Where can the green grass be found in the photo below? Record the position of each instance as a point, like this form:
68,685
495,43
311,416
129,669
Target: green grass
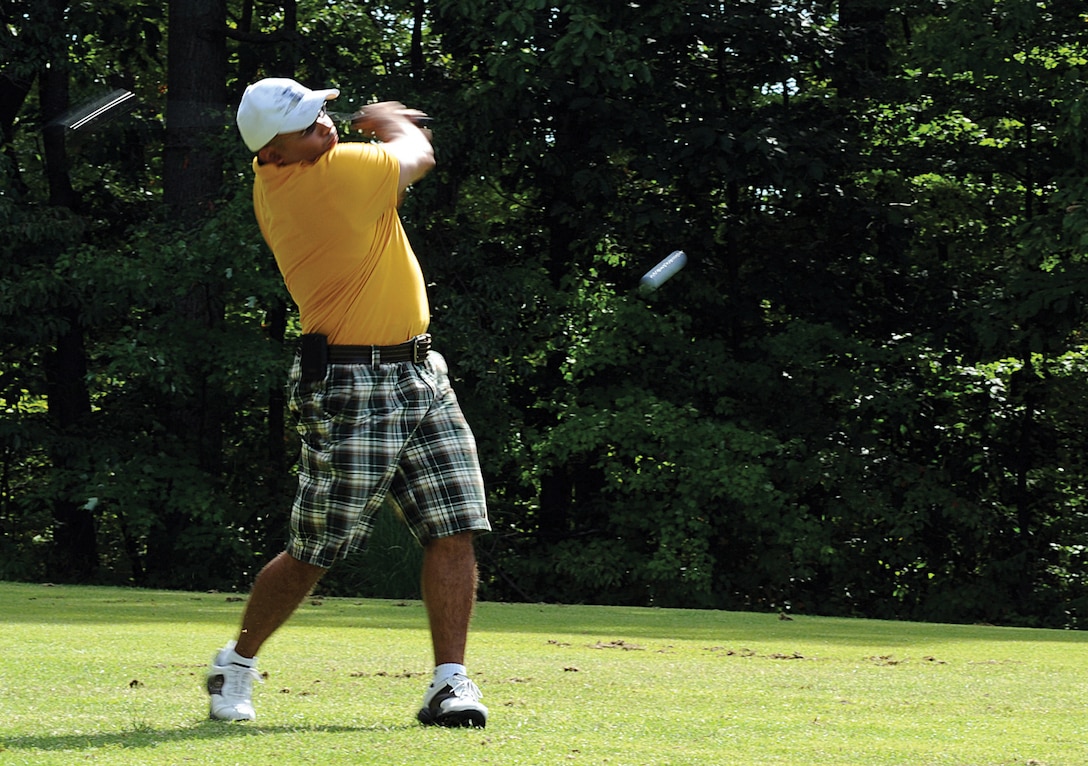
114,676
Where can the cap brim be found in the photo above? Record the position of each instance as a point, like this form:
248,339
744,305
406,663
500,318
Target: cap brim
304,115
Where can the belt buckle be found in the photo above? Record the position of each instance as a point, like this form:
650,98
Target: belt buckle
421,344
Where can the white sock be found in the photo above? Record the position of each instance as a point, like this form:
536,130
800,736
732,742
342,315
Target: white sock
231,656
444,671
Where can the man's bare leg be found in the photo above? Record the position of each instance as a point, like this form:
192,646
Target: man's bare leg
449,593
278,590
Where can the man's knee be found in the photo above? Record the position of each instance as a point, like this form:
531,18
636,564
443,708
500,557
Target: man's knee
462,542
300,572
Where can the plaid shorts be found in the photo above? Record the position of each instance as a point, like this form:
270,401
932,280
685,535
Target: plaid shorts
375,434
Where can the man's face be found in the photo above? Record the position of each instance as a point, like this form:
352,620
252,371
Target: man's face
303,145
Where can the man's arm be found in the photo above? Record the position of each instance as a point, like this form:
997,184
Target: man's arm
395,126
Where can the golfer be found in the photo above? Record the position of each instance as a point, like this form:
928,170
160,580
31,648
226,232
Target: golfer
378,420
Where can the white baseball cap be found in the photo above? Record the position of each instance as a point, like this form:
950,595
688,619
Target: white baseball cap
278,105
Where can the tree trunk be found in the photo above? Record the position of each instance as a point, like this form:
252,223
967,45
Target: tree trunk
13,94
862,57
195,104
193,175
192,179
65,367
415,55
74,531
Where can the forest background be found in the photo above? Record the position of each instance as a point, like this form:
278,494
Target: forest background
864,395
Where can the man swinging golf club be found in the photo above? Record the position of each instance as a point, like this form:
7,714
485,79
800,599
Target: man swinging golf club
377,418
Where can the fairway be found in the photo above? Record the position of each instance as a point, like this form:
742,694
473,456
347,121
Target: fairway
114,676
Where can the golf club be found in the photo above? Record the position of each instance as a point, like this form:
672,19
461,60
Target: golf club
96,111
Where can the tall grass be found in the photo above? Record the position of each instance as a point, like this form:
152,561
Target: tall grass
113,676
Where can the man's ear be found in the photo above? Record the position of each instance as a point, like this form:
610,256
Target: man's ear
269,155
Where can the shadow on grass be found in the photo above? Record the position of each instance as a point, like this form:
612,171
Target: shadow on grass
151,737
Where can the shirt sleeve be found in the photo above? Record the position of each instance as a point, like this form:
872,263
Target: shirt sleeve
364,178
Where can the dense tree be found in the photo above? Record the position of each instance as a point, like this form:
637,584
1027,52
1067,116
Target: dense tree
862,396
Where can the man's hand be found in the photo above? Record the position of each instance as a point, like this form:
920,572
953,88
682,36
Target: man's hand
386,119
397,126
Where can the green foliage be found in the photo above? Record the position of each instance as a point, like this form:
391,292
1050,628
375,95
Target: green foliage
860,397
388,568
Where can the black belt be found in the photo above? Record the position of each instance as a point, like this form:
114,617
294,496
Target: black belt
414,350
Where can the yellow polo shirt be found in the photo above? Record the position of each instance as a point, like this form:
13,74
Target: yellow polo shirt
334,229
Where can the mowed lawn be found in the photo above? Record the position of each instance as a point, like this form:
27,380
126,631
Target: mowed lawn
114,676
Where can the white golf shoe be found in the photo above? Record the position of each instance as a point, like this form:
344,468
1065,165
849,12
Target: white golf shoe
455,703
230,687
